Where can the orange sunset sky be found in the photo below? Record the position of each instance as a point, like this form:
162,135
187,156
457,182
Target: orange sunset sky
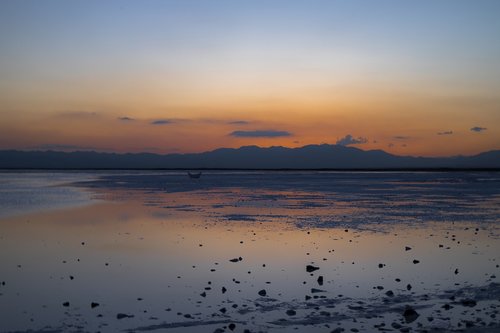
411,78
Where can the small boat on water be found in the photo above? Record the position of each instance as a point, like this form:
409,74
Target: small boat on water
194,175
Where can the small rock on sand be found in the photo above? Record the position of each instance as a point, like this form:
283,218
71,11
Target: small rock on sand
410,314
311,268
320,280
315,291
262,292
123,315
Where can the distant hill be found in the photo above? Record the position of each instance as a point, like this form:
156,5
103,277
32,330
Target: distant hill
249,157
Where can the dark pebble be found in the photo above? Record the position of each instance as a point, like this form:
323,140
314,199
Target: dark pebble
123,315
262,292
315,291
94,305
410,314
311,268
320,280
291,312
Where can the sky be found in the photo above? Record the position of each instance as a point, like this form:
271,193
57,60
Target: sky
415,78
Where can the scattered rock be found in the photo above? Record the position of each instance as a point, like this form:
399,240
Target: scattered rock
407,248
262,292
415,261
224,290
123,315
311,268
94,305
315,291
410,314
320,280
66,304
291,312
231,326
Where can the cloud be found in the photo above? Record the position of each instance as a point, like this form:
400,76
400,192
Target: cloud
401,137
126,119
260,134
239,122
445,133
350,140
161,122
478,129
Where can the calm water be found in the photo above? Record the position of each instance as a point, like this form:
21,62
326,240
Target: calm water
165,251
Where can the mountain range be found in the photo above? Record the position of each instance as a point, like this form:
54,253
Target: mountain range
322,156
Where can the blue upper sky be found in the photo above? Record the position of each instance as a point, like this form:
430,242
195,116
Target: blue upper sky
237,60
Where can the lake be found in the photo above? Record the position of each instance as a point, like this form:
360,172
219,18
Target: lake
266,251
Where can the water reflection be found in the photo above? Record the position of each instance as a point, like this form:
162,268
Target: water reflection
164,258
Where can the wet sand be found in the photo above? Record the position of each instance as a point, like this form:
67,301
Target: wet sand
258,253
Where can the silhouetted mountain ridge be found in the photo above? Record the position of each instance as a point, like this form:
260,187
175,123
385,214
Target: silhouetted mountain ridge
322,156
